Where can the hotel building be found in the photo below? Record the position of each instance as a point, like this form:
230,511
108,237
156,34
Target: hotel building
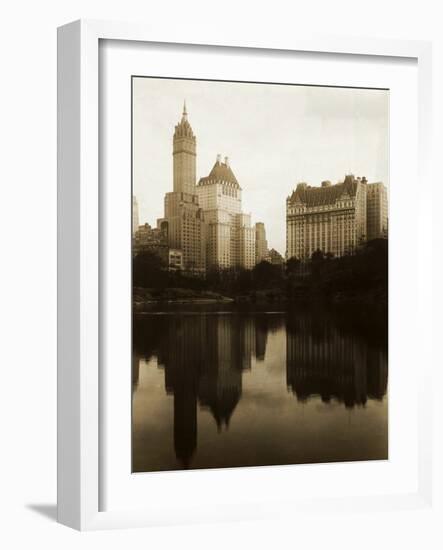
230,239
331,218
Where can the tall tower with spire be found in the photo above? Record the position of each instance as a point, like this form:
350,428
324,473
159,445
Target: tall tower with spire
184,154
184,221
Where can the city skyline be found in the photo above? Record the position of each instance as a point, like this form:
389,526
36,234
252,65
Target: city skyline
303,119
259,275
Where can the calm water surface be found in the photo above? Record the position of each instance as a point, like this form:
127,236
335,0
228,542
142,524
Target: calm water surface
231,388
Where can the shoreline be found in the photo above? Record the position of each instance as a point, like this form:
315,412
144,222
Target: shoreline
198,301
367,301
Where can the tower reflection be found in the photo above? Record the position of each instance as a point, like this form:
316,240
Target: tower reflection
203,357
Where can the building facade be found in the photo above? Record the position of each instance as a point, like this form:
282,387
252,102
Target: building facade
230,239
183,222
261,244
331,218
175,259
147,236
246,241
149,239
377,211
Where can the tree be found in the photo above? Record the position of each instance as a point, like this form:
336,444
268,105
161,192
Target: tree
266,275
244,280
148,270
292,265
214,278
317,256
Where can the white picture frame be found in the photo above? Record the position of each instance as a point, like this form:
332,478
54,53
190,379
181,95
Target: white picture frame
79,252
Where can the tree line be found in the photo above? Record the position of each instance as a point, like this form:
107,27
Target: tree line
365,270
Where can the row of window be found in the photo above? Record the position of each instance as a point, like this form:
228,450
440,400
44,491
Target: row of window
321,208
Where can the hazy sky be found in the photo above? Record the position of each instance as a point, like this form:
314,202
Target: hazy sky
274,136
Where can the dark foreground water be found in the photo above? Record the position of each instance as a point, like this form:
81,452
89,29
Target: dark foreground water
223,389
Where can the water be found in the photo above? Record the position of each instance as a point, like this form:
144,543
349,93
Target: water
239,388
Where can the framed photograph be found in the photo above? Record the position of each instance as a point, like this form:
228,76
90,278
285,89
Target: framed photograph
239,228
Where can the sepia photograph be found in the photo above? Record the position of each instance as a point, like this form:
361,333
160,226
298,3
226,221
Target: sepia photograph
259,274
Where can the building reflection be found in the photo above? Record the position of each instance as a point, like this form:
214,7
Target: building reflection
203,357
135,369
183,362
334,362
261,336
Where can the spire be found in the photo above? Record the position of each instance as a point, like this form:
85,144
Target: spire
183,128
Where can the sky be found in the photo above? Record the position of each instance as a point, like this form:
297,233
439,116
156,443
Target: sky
274,135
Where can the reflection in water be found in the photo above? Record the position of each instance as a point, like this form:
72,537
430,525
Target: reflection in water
325,360
289,360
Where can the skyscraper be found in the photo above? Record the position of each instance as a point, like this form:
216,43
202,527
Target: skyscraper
261,244
230,237
246,241
205,221
377,211
184,220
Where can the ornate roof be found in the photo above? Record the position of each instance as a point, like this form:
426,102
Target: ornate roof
326,194
221,173
183,128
